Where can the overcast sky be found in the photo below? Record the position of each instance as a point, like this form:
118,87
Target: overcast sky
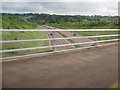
69,7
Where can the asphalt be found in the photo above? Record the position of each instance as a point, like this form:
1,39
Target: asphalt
78,40
89,68
56,35
59,42
68,34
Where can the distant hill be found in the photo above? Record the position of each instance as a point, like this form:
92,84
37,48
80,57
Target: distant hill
76,22
12,22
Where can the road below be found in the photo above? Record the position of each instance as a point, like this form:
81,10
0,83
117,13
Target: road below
89,68
78,40
53,35
56,35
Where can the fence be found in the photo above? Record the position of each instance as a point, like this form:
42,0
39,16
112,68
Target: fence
111,41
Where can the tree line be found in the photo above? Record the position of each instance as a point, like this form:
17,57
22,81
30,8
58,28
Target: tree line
62,21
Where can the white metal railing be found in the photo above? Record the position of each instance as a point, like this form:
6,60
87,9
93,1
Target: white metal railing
33,40
50,39
24,49
37,54
16,30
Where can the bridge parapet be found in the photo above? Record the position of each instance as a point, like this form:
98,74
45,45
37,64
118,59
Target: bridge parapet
76,40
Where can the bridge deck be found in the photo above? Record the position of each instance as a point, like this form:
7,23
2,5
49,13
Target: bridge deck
89,68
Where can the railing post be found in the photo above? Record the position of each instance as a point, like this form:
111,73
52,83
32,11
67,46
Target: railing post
53,36
96,39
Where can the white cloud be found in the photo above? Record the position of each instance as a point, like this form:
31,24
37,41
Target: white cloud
76,8
61,0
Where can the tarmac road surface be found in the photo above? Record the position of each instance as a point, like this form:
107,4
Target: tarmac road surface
89,68
56,35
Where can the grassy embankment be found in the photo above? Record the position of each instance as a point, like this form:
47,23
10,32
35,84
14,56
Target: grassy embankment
80,22
89,25
17,23
87,33
82,25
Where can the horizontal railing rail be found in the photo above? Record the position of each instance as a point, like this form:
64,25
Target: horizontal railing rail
23,49
92,43
47,53
28,30
33,40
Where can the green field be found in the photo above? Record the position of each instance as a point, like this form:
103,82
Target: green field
79,25
17,23
24,36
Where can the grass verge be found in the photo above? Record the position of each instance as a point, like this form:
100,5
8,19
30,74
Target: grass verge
24,36
70,40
